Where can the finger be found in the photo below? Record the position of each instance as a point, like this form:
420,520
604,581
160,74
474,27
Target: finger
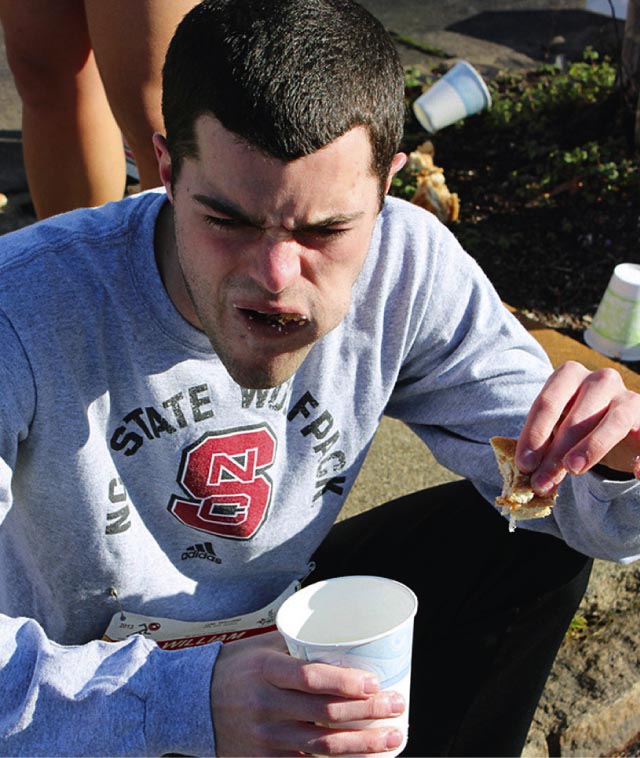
612,441
321,740
576,445
547,411
319,678
290,704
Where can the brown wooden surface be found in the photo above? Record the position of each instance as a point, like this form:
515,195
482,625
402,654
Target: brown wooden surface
560,348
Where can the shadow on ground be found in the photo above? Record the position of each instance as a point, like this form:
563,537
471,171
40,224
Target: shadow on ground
543,34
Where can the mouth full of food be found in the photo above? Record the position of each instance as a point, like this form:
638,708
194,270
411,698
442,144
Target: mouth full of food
282,323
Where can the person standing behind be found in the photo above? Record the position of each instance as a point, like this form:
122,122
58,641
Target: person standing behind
88,72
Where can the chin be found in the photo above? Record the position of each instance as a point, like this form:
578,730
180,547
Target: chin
260,368
259,380
264,377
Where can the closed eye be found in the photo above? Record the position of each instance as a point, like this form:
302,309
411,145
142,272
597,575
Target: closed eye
327,232
303,235
234,228
223,223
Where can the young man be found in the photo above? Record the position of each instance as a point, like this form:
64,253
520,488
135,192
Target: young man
190,381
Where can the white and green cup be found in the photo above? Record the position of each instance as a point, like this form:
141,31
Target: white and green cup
461,92
363,622
615,329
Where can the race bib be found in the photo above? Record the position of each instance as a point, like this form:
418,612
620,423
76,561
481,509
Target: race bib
172,635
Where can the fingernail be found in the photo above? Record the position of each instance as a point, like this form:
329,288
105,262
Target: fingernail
529,460
576,463
396,702
370,685
394,739
542,485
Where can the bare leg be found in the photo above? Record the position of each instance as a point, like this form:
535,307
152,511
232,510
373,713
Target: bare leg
130,40
72,145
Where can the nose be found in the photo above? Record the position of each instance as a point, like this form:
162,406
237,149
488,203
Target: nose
277,263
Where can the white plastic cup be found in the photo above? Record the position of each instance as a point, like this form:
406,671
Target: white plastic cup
461,92
615,329
363,622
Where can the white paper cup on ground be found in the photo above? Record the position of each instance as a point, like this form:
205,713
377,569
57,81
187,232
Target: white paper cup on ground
615,329
363,622
461,92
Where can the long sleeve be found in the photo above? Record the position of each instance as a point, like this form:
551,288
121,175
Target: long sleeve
471,371
101,698
98,698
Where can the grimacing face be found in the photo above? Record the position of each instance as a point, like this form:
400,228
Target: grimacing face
260,254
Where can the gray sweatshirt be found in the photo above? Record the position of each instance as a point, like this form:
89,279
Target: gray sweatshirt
136,474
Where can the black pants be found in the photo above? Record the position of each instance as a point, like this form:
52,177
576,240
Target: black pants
493,609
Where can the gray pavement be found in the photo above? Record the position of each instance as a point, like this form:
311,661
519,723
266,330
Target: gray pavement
492,35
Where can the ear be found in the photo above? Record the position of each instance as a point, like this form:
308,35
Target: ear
399,160
164,163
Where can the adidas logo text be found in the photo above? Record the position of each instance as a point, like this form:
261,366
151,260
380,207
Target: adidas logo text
204,551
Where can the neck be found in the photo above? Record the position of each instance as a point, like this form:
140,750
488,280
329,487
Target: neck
166,254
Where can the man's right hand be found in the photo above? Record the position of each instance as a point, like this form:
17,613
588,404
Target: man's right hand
266,703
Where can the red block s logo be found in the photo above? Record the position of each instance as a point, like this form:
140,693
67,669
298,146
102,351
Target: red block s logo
228,493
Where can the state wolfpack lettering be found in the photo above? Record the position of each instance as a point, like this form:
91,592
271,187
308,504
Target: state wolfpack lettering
223,476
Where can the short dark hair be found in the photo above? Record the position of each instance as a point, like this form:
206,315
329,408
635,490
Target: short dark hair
286,76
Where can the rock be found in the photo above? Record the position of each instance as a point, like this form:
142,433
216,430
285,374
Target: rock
605,729
591,703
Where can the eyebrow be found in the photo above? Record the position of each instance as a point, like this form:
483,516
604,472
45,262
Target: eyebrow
230,209
226,208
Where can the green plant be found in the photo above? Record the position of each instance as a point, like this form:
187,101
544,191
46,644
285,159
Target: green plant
577,627
544,118
531,100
